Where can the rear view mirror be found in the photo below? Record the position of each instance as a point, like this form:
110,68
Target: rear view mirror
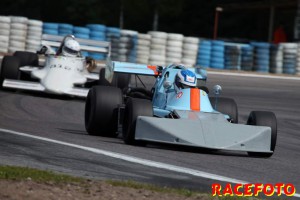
167,84
217,90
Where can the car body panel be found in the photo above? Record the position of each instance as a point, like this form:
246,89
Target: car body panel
186,116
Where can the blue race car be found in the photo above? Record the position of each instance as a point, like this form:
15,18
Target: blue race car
176,111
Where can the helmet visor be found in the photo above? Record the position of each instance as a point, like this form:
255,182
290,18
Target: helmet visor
69,51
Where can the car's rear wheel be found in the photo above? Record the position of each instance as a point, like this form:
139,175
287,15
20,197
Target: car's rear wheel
27,58
133,109
226,106
119,80
101,110
9,69
264,118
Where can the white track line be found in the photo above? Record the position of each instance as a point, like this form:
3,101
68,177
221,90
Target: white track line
297,78
137,160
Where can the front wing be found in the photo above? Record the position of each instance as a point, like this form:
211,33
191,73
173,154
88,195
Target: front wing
34,86
205,133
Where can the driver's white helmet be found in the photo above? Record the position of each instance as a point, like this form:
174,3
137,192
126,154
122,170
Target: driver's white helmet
71,48
185,79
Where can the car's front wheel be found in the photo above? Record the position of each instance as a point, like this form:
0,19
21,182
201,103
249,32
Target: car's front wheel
264,118
226,106
134,108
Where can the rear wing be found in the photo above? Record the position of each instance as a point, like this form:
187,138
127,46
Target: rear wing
142,69
85,44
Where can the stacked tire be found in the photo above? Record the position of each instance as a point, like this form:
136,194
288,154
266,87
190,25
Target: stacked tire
298,61
261,56
143,48
217,54
232,57
18,34
276,58
174,48
50,28
113,36
158,48
84,33
204,53
190,50
247,58
65,29
289,58
97,32
34,35
4,33
127,46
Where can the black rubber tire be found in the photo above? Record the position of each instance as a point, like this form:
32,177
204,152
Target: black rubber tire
102,81
101,110
27,58
9,69
119,80
133,109
264,118
226,106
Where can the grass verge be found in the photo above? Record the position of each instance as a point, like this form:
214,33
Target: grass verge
24,173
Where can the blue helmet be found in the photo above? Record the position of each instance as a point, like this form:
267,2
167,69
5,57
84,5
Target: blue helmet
185,79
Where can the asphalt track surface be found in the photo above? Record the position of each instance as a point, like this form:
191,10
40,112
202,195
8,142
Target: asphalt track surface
62,120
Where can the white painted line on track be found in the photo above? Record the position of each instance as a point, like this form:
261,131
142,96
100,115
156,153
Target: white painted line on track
254,75
136,160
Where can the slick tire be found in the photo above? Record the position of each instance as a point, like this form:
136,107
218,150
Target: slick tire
134,108
27,58
9,69
264,118
226,106
121,80
101,110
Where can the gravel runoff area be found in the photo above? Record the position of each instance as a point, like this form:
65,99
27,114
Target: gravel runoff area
31,190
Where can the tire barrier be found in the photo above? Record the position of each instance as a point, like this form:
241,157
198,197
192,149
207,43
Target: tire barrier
4,33
204,53
298,61
174,48
290,51
190,51
65,29
276,59
158,48
143,48
155,47
247,57
18,34
97,32
127,46
113,36
261,56
84,33
34,35
217,54
50,28
232,56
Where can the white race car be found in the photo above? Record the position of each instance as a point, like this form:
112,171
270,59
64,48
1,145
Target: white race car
59,74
